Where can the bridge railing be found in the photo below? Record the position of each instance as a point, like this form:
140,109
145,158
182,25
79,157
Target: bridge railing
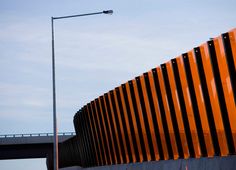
36,135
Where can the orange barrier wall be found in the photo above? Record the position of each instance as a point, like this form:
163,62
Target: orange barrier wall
184,108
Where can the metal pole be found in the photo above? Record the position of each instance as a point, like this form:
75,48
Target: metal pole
55,139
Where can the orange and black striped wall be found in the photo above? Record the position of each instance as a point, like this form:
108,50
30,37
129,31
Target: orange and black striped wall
183,108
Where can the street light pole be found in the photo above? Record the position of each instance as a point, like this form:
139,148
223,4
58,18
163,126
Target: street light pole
55,139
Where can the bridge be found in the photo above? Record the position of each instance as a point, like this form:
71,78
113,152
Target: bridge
35,145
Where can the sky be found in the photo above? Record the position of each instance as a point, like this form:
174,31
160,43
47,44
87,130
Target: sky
94,54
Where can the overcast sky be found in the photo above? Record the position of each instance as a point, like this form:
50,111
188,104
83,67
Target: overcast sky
93,54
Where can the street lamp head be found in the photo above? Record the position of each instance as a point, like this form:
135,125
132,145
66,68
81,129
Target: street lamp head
108,12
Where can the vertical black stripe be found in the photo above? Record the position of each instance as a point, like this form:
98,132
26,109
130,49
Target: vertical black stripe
94,133
107,129
194,105
103,132
219,88
124,125
100,136
86,156
183,108
145,118
172,111
112,128
88,138
207,101
154,118
91,139
163,114
138,121
81,140
77,152
73,146
78,137
118,126
76,124
130,123
230,61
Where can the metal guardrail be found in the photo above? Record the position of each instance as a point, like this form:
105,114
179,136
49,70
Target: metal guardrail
35,135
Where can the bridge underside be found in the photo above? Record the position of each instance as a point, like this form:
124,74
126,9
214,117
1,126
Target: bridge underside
25,151
29,146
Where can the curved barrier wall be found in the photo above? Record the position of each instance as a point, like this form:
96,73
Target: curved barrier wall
181,109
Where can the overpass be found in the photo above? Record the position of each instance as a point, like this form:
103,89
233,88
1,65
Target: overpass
181,112
35,145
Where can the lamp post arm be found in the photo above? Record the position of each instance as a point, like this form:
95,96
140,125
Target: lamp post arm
80,15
